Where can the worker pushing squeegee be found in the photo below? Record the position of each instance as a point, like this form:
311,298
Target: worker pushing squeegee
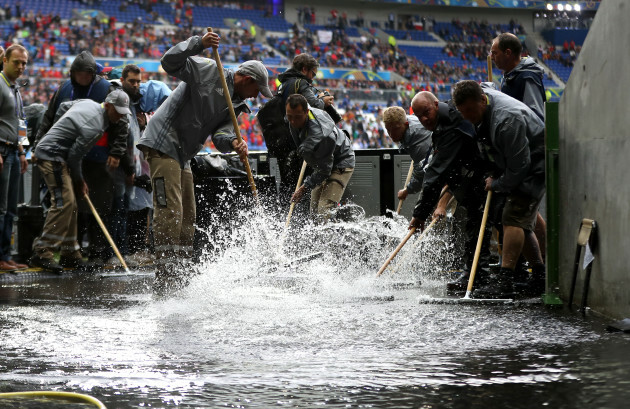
205,103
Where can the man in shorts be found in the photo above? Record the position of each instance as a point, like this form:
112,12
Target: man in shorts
511,137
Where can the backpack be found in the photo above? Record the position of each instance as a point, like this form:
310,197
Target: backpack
271,113
271,120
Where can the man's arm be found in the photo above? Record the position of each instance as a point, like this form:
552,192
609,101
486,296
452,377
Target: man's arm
444,157
177,61
417,178
512,143
308,92
533,98
118,138
321,159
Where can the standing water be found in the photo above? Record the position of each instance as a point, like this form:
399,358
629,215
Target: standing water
263,325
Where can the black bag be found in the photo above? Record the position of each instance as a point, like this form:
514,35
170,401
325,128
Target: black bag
271,114
275,131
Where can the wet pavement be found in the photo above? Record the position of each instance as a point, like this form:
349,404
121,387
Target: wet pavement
321,333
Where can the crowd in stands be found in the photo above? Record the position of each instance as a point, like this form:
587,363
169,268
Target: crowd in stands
48,39
566,56
480,32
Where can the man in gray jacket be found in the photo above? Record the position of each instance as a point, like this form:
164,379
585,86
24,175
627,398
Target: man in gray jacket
326,149
60,153
195,110
522,77
414,139
523,80
511,137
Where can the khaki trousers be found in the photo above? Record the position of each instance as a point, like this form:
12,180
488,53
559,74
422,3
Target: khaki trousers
174,208
327,195
60,227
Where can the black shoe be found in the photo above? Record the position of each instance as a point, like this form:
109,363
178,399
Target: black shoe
76,263
47,264
460,284
501,285
534,285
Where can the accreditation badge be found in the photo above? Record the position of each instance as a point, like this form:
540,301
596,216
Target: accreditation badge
22,135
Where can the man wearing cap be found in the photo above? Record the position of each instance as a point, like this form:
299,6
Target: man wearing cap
60,153
195,110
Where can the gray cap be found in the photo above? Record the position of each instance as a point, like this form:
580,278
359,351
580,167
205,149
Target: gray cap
120,100
258,72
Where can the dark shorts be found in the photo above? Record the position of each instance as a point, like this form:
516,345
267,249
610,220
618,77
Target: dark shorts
520,211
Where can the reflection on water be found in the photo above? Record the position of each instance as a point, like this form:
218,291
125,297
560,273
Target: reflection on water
254,330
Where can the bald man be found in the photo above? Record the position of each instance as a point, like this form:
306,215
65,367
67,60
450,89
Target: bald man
456,163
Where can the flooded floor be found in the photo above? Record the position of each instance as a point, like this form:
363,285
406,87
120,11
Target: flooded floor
253,330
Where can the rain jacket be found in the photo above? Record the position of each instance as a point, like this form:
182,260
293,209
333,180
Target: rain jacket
153,94
73,135
323,146
305,88
453,149
115,144
511,136
416,141
525,83
196,109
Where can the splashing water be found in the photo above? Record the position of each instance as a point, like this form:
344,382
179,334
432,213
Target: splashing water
262,324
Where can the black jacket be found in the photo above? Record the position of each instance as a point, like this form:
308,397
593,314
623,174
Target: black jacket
305,87
454,149
97,91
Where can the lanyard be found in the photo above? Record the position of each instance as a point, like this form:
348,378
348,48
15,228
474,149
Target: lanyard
86,96
19,105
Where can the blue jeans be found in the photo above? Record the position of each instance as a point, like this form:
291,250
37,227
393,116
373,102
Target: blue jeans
9,187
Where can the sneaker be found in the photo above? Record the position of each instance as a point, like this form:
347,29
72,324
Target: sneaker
47,264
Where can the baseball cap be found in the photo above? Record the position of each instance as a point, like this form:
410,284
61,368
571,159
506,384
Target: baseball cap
258,72
120,100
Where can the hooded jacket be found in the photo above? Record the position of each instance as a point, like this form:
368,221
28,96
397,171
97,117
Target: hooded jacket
416,142
525,83
305,88
453,149
511,136
116,143
323,146
196,109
